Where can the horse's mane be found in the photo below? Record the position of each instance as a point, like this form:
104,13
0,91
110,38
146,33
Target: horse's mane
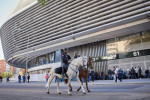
77,60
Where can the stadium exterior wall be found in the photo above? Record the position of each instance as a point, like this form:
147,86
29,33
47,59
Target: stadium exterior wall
86,27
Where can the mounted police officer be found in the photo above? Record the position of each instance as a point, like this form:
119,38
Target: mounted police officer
76,55
65,61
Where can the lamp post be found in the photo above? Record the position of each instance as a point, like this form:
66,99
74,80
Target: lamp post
19,29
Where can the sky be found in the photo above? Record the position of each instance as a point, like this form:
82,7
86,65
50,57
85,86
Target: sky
6,7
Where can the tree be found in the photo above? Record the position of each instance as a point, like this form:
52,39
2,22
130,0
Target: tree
43,2
7,74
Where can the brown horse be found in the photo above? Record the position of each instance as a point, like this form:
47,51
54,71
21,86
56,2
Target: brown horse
84,74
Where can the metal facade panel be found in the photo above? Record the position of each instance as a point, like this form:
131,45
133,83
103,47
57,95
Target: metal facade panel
60,21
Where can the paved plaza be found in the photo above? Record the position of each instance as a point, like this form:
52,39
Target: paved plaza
135,89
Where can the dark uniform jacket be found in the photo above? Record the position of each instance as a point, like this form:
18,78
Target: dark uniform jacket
65,58
76,56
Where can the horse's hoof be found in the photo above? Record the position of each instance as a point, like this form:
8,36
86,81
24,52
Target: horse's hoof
47,92
70,89
69,93
89,91
84,92
58,92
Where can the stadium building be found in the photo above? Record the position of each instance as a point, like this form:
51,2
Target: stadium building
113,32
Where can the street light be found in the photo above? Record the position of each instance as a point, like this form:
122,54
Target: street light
19,29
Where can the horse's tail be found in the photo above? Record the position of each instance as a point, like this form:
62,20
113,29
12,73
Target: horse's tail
66,81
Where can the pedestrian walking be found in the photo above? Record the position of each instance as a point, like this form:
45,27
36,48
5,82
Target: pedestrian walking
7,79
46,77
19,78
116,73
1,79
28,77
24,78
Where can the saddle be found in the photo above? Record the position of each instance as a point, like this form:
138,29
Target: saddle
59,70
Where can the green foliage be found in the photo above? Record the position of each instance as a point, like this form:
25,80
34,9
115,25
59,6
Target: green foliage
43,2
6,74
97,59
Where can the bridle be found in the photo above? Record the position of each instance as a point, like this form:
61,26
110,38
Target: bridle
76,71
88,65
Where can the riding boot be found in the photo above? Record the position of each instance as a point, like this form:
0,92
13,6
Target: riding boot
66,75
63,72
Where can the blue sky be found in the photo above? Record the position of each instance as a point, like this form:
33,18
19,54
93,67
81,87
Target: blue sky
6,7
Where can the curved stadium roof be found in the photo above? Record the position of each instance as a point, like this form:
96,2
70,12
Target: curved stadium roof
68,23
21,4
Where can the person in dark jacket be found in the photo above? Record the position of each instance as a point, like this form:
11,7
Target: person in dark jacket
132,73
102,75
89,77
92,75
95,75
139,72
99,76
146,73
110,74
120,72
28,77
7,79
129,75
65,61
24,78
76,55
19,78
1,78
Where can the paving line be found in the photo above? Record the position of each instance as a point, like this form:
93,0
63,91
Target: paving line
21,90
118,84
77,84
96,93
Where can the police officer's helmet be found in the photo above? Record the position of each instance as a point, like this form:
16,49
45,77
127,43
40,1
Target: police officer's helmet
66,49
76,53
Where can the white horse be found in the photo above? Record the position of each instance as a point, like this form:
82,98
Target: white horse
72,72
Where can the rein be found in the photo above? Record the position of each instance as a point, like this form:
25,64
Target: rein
76,71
